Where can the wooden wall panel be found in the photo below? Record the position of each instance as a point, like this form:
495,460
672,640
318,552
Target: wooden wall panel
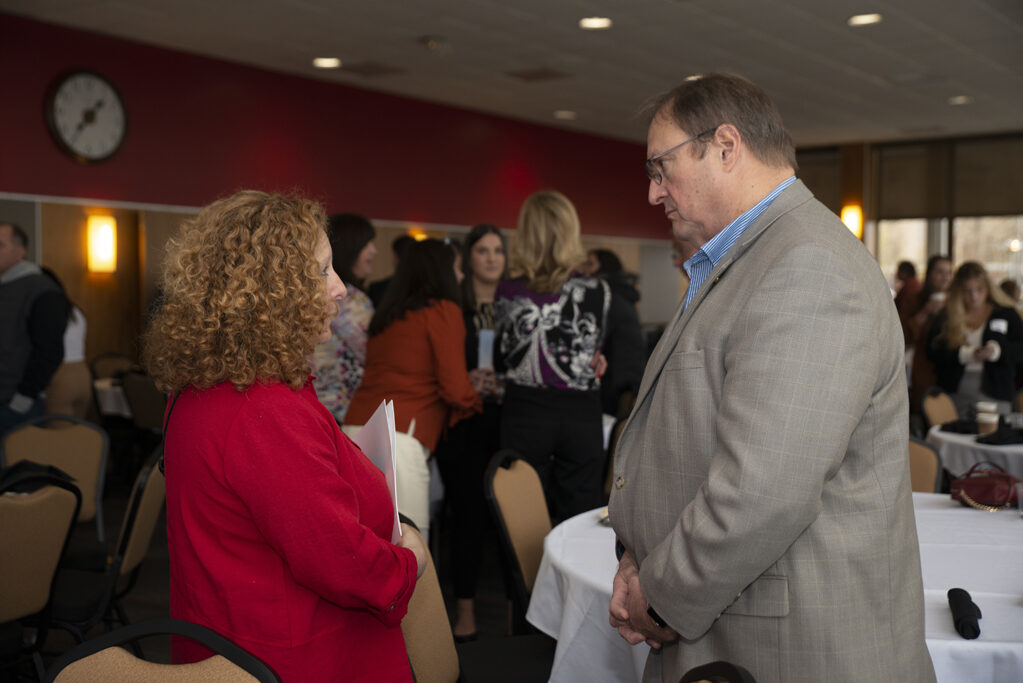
110,301
989,176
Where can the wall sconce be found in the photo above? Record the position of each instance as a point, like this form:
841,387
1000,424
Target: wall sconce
102,239
418,234
852,216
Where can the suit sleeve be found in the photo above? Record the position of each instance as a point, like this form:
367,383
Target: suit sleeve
800,369
282,462
446,332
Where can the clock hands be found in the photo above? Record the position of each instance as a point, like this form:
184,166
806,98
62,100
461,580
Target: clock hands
88,117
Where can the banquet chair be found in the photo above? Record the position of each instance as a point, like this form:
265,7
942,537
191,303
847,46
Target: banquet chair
718,672
924,466
937,407
101,659
78,447
110,364
82,598
147,403
516,498
37,516
435,658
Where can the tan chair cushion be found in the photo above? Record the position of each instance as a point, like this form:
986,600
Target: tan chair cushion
33,527
428,639
519,495
116,665
923,468
145,523
74,448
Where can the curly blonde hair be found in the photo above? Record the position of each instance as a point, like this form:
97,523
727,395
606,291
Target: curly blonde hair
546,247
243,295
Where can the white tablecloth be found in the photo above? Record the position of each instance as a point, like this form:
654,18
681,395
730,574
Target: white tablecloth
111,397
960,452
959,547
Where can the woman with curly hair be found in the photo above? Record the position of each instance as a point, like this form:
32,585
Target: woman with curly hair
278,527
976,341
551,322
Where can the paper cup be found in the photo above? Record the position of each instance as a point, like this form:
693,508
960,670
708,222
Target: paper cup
986,407
987,423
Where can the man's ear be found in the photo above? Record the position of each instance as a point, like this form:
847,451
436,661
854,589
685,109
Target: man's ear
729,143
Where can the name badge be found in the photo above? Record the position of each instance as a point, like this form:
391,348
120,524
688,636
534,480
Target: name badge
999,325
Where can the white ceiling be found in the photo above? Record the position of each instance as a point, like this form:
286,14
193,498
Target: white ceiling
834,84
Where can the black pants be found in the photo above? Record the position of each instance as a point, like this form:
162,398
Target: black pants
559,433
462,458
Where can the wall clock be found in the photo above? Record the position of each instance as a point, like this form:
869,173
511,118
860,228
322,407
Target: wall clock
86,116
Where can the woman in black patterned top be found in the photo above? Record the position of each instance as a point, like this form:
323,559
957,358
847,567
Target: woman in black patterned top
551,327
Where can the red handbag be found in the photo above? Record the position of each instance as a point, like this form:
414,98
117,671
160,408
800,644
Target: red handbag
986,486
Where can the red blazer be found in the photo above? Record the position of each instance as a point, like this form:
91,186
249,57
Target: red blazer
419,363
279,531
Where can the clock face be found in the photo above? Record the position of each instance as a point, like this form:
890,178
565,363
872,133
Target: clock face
86,116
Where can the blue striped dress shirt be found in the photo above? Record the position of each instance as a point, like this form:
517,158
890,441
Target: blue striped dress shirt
700,264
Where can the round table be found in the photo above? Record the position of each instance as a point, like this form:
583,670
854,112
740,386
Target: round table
959,547
960,452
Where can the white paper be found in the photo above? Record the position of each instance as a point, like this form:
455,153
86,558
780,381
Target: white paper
485,358
376,439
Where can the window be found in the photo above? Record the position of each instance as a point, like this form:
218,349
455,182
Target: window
994,241
902,240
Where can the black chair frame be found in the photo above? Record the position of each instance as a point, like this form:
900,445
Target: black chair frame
200,634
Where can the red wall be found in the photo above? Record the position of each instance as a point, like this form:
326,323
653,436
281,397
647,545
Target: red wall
199,128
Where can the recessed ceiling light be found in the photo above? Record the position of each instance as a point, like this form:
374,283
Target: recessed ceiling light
327,63
864,19
594,23
960,99
564,114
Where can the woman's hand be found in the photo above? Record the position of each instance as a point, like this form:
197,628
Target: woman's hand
411,539
484,381
599,364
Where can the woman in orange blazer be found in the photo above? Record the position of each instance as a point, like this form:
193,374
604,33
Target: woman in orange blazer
415,357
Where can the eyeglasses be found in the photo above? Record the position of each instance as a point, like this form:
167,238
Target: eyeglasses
654,166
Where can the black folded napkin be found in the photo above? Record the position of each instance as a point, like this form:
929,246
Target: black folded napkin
960,427
1002,437
965,613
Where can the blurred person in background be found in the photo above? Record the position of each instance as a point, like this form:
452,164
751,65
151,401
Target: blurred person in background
466,450
624,345
551,322
70,389
416,357
33,315
916,322
279,528
339,362
976,342
377,289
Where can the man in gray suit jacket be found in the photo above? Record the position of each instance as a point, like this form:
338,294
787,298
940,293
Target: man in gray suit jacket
761,489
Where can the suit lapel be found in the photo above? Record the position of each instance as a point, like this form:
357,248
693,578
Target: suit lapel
793,196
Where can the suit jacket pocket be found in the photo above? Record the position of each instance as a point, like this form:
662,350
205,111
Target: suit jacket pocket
768,596
685,360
